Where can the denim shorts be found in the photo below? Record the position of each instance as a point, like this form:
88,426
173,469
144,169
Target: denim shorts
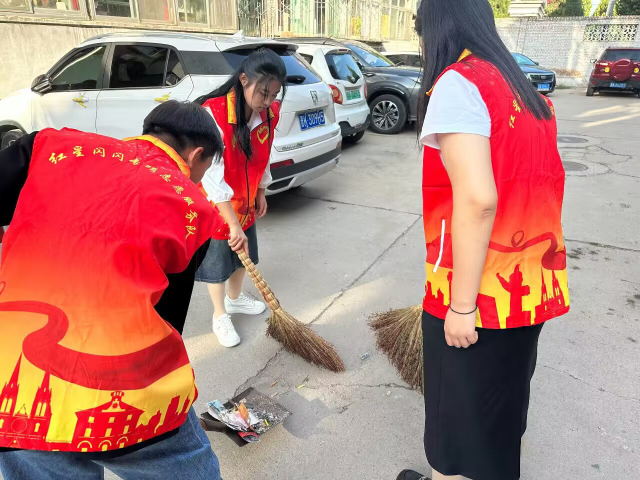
220,261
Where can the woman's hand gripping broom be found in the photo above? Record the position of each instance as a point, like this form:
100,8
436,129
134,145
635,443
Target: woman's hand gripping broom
295,336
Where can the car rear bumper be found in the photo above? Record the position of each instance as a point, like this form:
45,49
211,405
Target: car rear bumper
631,85
348,130
310,163
352,117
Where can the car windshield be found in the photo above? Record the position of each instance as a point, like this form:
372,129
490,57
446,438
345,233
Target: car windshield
522,60
615,55
225,63
371,57
343,67
299,72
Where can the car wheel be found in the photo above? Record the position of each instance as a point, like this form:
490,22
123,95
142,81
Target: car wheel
9,137
388,114
590,91
353,139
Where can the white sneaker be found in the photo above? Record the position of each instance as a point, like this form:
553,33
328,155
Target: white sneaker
244,304
225,331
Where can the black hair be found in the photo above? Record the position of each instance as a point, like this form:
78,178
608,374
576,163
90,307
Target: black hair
449,27
183,125
263,66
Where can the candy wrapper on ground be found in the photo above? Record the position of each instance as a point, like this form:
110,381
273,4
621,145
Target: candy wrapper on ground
245,418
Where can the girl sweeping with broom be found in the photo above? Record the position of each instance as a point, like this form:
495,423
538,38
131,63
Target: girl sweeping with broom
493,185
246,115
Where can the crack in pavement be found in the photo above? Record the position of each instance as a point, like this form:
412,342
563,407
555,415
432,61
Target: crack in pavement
339,202
246,383
380,385
366,270
602,245
252,378
632,399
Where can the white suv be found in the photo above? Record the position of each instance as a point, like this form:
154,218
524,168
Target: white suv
109,83
337,67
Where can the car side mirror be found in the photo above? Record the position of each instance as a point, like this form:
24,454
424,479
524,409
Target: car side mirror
594,60
537,63
42,84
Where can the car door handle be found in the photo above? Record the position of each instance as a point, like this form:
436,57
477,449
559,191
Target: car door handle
369,74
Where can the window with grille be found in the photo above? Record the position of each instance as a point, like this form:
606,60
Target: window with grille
611,33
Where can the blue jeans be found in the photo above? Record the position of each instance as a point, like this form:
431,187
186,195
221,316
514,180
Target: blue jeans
186,455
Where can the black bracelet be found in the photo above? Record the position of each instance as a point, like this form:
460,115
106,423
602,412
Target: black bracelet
459,313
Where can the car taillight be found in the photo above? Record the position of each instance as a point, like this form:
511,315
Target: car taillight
283,163
337,94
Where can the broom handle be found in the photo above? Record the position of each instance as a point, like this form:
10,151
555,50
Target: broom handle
259,282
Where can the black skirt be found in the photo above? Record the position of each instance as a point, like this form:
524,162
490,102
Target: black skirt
476,400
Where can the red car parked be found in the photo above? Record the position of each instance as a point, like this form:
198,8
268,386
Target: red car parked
618,69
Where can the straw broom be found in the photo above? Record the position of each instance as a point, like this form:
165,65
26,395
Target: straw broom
399,336
295,336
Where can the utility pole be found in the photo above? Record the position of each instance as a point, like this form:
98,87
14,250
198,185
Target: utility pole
612,4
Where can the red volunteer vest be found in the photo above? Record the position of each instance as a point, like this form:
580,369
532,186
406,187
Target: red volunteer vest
525,277
87,363
241,174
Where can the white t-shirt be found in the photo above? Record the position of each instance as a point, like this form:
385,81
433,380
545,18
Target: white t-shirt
456,106
217,189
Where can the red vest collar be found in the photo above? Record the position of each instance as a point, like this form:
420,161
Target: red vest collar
184,168
231,109
465,53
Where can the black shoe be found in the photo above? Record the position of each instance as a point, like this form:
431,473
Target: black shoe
411,475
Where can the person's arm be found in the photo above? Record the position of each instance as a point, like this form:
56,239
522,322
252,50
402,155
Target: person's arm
237,239
14,166
261,199
467,158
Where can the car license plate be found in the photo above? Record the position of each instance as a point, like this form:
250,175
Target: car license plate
353,94
544,87
618,85
311,119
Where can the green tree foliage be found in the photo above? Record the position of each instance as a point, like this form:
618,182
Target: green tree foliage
500,8
627,7
601,11
566,8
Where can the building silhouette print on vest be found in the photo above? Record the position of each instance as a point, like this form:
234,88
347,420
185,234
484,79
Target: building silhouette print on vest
114,424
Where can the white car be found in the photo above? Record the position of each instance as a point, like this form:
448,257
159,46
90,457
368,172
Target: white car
337,68
109,83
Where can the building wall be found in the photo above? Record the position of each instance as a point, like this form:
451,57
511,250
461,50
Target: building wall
31,46
562,44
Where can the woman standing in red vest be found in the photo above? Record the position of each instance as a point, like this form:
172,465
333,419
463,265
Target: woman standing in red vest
247,116
493,186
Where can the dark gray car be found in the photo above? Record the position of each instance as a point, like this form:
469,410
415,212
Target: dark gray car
392,91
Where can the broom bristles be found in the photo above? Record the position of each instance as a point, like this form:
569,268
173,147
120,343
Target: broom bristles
399,336
295,336
298,338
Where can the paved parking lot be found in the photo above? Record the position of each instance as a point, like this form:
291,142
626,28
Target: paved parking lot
350,244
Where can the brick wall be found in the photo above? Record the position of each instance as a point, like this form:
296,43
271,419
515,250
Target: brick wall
560,43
